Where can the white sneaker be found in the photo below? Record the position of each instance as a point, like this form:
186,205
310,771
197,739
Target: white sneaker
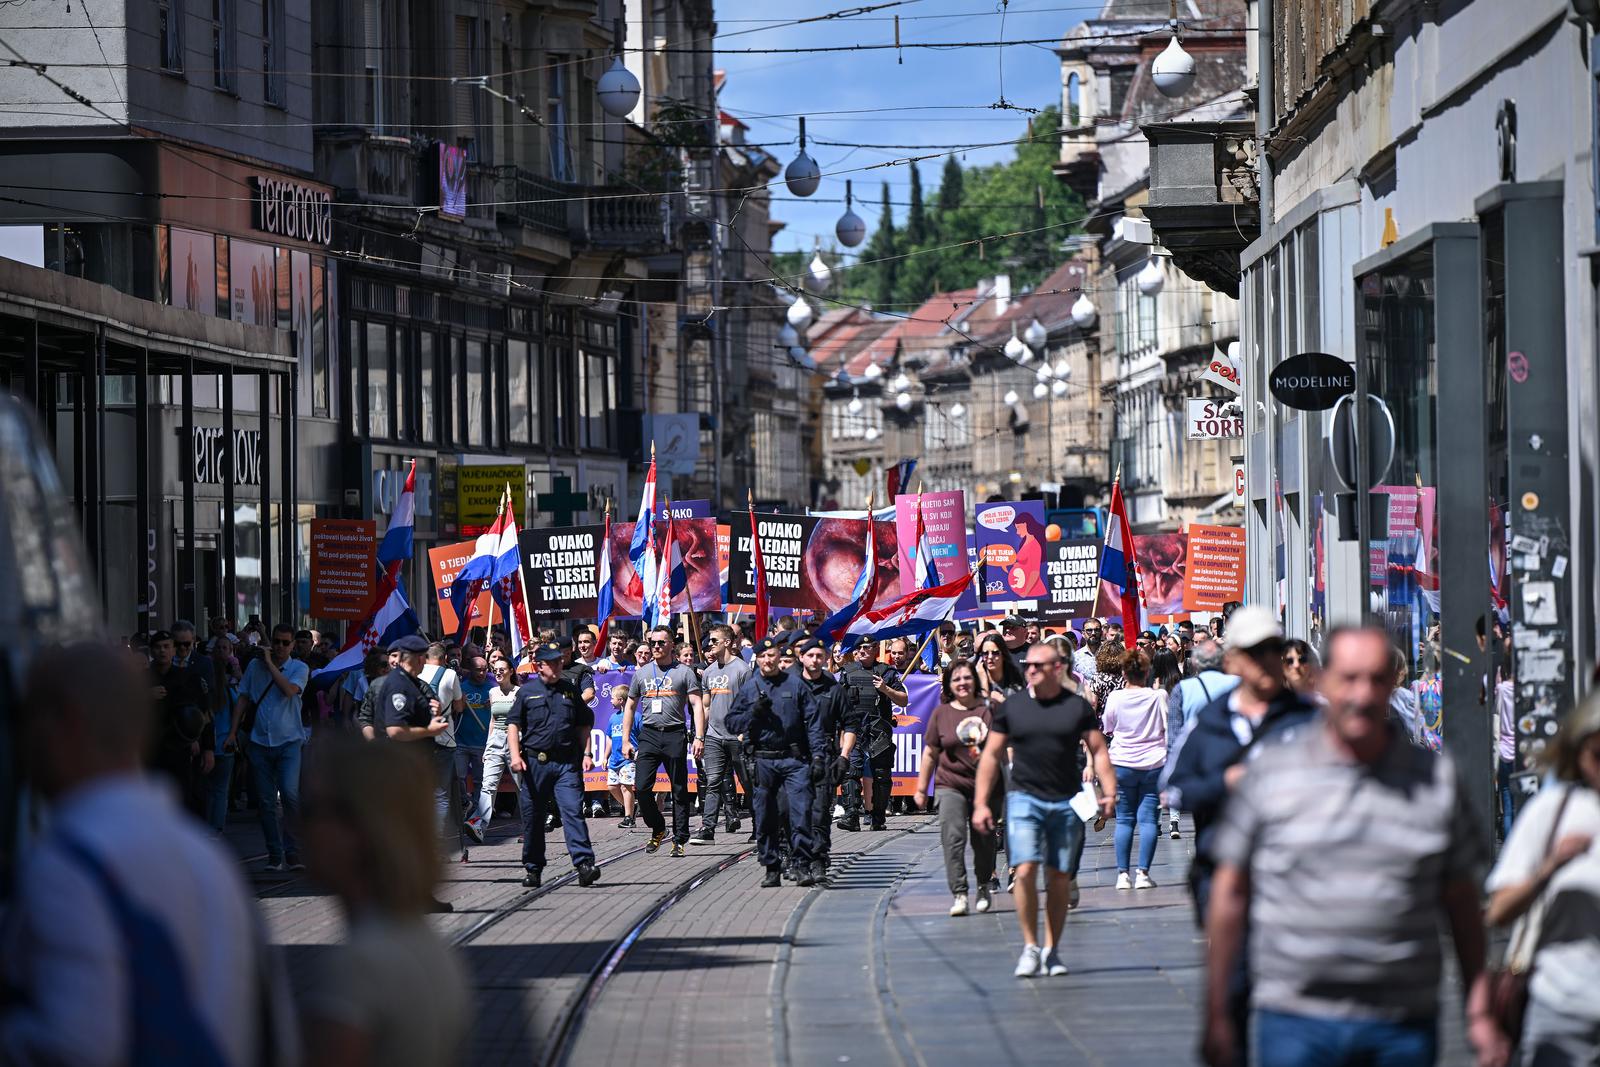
959,905
838,811
984,900
1176,834
1123,881
1142,881
1052,965
1028,963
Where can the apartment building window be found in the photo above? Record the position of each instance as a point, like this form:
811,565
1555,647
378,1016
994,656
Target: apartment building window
171,15
426,358
272,90
599,400
380,422
556,119
222,25
468,98
372,83
475,394
1074,99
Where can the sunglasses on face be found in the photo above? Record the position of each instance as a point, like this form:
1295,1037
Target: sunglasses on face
1293,660
659,644
990,652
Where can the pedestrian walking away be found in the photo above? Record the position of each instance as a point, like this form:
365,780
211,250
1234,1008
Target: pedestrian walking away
1547,879
658,696
721,679
1135,722
1042,726
547,731
1345,819
269,714
780,723
130,928
957,731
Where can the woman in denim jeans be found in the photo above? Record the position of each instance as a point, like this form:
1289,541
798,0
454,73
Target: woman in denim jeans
1135,719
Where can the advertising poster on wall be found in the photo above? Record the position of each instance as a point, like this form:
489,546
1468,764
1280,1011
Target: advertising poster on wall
1072,573
1011,542
812,562
452,182
253,277
1214,569
193,271
944,521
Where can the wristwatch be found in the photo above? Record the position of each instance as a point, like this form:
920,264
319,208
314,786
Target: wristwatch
699,737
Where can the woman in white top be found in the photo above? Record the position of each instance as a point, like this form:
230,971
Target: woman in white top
1135,718
1549,871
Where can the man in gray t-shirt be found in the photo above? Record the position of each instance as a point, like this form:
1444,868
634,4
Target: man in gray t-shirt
657,695
721,679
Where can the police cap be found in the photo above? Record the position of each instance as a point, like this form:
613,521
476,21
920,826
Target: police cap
563,642
1014,622
765,644
549,652
409,643
808,644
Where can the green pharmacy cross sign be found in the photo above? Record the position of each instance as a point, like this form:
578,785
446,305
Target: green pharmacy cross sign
562,503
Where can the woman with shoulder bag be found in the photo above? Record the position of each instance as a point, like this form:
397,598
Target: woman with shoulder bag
1548,877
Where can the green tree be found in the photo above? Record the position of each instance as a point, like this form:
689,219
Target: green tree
881,256
950,181
917,217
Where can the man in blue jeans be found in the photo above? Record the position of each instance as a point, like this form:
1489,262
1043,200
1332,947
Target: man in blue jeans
1043,726
1345,849
272,688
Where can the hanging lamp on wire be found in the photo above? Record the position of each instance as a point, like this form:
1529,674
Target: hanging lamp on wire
851,229
818,276
1036,335
854,407
1083,312
957,410
1058,387
803,175
1015,350
788,336
799,314
618,89
1173,70
1152,279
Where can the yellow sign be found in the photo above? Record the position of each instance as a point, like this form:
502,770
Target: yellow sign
478,493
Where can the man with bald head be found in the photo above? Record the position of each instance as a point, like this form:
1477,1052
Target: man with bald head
129,924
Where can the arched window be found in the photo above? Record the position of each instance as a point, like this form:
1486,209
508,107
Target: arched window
1074,90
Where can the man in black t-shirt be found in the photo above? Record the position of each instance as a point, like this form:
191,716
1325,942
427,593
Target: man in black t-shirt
1043,726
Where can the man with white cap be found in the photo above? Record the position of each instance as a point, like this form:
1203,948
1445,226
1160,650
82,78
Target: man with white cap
1211,756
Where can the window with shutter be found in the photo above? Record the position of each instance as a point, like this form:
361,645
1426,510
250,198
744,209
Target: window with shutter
464,65
372,39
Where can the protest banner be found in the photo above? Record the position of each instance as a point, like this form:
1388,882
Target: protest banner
697,542
1214,568
1161,563
910,730
445,562
343,567
944,520
561,567
812,562
478,492
609,704
1072,573
1011,545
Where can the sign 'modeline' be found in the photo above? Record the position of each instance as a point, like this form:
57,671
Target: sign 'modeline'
1312,381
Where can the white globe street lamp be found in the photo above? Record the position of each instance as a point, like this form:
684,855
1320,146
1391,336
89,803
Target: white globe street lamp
1015,350
854,407
1036,335
872,433
873,371
799,314
900,383
1063,369
1083,312
1040,390
1152,279
851,229
802,175
903,401
1058,387
1173,69
618,90
957,410
818,276
1011,396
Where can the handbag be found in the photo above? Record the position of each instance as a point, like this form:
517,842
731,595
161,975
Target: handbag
1508,983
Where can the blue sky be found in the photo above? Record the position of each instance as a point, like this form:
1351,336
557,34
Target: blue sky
786,85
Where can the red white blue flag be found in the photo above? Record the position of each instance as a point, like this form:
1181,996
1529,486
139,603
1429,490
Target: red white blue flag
834,626
914,615
605,598
1119,564
760,568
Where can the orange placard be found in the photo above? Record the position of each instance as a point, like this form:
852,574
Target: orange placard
1213,568
343,574
446,562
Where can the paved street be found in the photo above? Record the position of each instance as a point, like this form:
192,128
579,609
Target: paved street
686,961
871,969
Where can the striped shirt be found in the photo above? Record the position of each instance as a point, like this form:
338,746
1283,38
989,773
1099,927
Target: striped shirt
1347,865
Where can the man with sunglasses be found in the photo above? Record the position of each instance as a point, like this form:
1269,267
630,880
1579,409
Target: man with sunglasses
1043,727
270,697
657,696
1083,659
721,679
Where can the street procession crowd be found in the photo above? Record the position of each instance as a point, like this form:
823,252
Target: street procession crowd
1331,838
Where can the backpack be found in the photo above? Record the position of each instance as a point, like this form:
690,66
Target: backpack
550,717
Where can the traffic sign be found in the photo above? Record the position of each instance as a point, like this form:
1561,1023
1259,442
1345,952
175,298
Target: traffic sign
1342,441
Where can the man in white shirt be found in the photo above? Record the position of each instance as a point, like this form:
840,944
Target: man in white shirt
129,924
270,692
452,702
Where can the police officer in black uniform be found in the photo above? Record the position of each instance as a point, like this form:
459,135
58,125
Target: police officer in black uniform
780,724
872,691
829,697
547,730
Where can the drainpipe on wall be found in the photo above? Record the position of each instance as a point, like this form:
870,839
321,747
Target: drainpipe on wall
1264,109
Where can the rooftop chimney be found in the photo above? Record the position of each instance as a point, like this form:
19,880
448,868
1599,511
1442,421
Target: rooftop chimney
1002,293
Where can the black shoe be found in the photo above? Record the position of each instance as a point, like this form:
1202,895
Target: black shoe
706,836
880,825
772,880
851,823
440,907
626,820
809,875
677,851
789,874
733,826
588,874
656,837
533,879
552,822
751,838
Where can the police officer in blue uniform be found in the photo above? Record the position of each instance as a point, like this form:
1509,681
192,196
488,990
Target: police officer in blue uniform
779,722
546,731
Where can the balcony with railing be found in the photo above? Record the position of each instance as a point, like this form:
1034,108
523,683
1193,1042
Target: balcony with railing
622,219
535,202
369,167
